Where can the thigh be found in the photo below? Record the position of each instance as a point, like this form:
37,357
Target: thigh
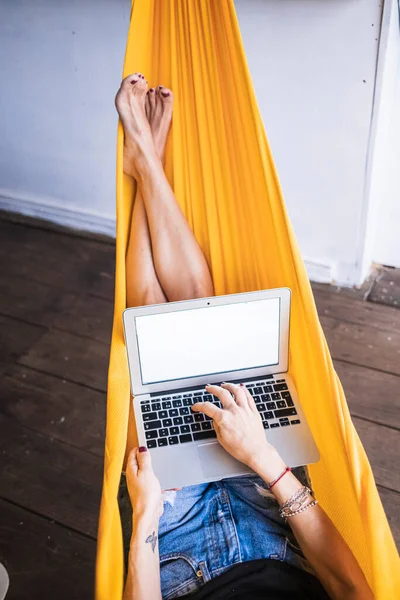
183,540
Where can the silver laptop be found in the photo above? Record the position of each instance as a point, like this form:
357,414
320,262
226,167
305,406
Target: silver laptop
175,349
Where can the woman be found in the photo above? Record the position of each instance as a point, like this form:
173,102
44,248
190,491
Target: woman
227,539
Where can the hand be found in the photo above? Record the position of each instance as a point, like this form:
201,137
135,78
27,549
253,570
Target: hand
143,486
238,425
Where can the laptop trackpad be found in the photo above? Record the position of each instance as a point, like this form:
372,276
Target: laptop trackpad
215,461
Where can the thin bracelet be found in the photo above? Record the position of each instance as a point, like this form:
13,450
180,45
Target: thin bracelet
299,495
271,485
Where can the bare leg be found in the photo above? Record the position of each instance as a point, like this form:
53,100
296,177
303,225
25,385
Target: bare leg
142,285
179,264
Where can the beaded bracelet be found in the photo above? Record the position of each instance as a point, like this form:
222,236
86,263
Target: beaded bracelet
296,503
300,510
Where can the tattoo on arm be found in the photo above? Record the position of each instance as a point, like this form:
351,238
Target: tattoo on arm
152,539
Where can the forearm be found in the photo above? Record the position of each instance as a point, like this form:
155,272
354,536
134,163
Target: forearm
319,540
143,578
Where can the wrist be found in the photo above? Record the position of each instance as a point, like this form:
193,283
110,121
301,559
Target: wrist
145,520
268,465
143,530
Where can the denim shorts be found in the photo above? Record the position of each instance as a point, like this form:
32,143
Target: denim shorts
206,529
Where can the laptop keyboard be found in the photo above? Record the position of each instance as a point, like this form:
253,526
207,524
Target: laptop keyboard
169,420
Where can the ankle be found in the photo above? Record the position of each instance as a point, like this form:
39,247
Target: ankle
146,164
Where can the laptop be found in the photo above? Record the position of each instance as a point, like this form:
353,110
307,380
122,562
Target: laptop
175,349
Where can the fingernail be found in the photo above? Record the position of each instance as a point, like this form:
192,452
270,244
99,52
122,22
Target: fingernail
165,94
142,449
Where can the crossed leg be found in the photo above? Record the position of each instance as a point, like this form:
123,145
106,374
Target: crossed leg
164,261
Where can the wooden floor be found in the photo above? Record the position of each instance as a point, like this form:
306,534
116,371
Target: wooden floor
56,304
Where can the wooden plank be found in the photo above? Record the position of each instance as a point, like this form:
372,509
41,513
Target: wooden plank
371,394
69,263
391,504
77,359
100,273
386,288
352,293
90,316
363,345
345,309
44,560
50,226
32,301
16,338
103,285
49,477
55,407
382,447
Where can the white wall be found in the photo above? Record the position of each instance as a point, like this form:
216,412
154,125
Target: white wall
313,66
61,63
382,240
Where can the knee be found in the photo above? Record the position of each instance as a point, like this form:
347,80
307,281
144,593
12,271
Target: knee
144,296
202,289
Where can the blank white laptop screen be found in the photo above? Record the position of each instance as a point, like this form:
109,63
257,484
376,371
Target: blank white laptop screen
203,341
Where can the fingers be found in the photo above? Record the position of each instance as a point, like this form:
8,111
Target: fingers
208,409
132,463
238,393
250,398
223,395
143,458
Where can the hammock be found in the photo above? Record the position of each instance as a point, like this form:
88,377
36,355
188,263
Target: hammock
222,171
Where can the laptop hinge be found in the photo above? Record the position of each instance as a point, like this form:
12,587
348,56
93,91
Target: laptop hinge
196,387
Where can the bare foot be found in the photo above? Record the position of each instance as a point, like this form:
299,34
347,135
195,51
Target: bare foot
159,104
138,144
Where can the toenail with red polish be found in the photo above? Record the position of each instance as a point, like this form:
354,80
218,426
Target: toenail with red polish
134,81
165,94
160,87
151,89
142,449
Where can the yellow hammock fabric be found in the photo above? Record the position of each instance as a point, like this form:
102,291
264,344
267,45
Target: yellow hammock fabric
221,168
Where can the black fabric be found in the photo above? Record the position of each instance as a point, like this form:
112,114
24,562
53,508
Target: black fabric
262,580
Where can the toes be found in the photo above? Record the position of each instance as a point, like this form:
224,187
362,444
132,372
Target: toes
147,107
165,94
151,96
130,80
143,458
136,80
